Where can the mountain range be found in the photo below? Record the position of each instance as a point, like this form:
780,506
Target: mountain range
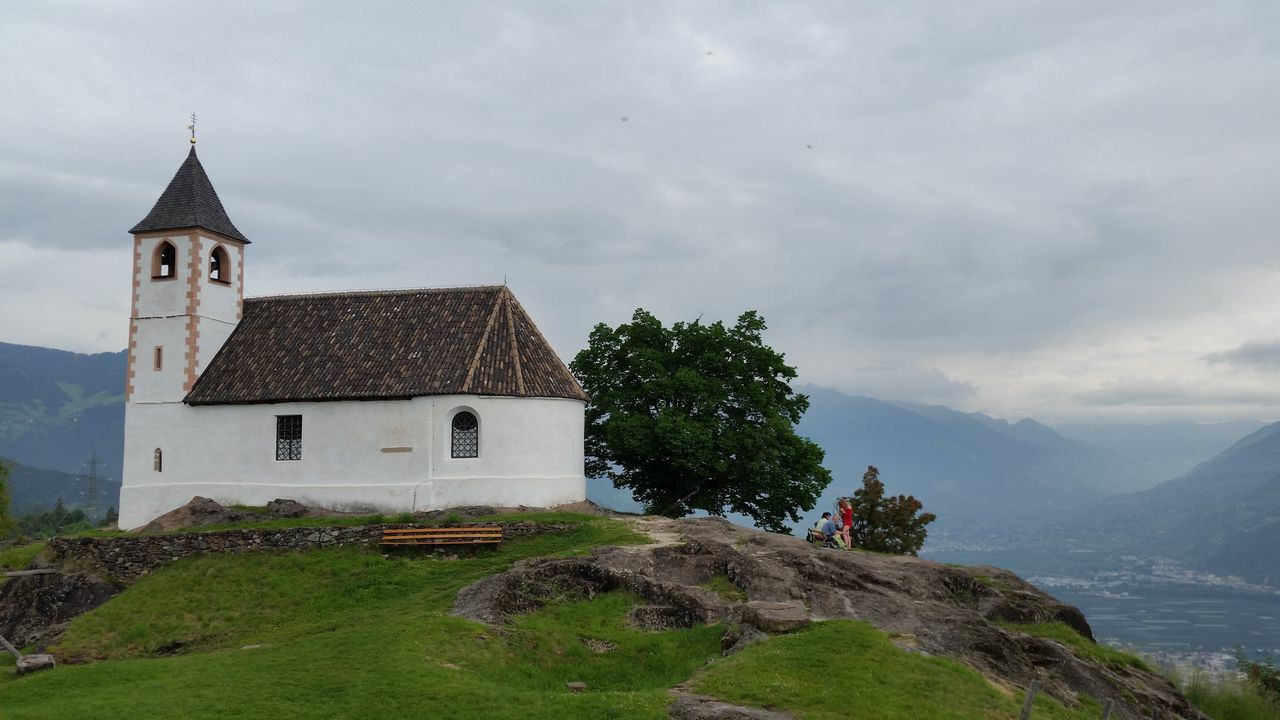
1223,516
58,408
970,469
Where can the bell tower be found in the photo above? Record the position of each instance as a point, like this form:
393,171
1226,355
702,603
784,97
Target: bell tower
188,287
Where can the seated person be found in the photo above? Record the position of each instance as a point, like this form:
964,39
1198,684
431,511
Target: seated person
831,531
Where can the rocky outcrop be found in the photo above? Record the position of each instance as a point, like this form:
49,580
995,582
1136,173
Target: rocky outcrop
199,512
700,707
36,608
925,606
285,508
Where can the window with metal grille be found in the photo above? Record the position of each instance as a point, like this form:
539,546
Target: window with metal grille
288,437
466,436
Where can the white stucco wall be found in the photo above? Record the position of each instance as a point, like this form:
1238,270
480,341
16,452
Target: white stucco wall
165,384
388,456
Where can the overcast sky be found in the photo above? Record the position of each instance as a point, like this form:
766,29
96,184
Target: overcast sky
1065,210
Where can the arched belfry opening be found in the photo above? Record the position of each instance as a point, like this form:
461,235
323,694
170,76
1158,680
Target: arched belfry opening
164,261
219,268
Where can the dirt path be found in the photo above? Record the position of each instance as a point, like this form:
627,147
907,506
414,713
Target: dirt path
663,531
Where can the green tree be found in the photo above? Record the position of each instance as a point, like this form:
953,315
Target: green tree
1262,675
889,524
698,417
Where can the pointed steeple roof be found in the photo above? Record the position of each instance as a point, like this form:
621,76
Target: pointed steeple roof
189,201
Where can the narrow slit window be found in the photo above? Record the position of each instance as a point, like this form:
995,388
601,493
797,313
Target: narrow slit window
159,358
157,461
288,437
218,266
466,436
164,262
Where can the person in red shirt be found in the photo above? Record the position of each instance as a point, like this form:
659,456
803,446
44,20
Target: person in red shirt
846,521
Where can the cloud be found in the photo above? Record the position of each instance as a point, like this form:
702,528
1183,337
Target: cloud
991,204
907,383
1171,392
1261,354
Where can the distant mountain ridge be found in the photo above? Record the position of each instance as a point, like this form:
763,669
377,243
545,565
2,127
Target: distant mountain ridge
1223,516
1166,449
969,468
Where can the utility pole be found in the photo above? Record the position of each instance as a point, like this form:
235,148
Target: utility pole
91,501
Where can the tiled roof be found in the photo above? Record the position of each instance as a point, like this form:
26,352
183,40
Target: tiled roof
384,345
189,201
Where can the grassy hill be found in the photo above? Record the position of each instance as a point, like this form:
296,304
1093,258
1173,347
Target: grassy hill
348,632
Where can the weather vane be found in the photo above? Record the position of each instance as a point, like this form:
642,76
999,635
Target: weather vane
192,128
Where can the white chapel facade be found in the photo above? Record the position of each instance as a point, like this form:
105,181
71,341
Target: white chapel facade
387,401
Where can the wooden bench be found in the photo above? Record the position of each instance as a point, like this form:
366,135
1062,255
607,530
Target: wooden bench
474,535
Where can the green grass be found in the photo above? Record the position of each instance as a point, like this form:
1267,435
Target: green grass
1226,698
724,587
19,557
349,632
1080,645
840,669
987,581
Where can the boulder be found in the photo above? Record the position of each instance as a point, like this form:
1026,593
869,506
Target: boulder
776,617
740,636
284,508
200,511
32,663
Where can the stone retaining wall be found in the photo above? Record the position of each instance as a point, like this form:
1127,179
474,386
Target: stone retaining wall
127,557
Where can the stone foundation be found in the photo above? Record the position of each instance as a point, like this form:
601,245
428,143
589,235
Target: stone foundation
125,558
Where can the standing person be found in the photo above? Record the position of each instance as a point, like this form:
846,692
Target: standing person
846,520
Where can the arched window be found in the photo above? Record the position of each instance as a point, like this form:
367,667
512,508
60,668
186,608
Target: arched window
465,436
164,263
219,269
157,461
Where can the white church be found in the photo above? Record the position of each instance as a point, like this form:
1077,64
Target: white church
387,401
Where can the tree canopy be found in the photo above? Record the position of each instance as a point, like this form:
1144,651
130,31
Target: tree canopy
893,524
698,417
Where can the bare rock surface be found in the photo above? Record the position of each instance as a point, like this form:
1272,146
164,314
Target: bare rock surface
943,610
776,617
700,707
199,512
38,607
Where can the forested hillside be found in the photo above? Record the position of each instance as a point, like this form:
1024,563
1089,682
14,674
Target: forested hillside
57,408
